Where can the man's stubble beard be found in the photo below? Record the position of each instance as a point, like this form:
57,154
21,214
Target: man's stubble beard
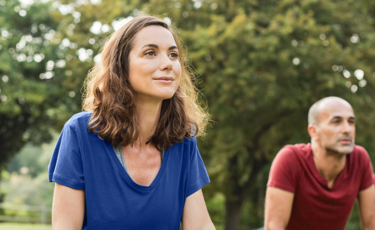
336,150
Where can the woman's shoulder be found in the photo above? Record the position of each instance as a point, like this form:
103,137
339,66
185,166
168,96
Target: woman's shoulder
186,144
79,120
190,141
189,146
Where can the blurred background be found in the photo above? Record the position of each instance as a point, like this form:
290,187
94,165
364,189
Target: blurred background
261,64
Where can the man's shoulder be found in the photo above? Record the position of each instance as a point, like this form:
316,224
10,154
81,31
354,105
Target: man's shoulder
359,150
293,155
301,150
288,165
359,153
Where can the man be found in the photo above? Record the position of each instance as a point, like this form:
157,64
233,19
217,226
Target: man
314,186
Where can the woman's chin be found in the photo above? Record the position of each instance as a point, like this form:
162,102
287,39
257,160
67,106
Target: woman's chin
166,97
154,97
166,94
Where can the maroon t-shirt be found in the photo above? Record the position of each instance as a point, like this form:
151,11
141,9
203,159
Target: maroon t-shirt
316,206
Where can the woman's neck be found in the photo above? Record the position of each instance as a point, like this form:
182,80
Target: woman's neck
148,116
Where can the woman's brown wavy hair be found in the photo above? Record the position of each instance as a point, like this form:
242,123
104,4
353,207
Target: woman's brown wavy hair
111,98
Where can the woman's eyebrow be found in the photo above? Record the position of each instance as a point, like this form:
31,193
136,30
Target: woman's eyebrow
150,45
156,46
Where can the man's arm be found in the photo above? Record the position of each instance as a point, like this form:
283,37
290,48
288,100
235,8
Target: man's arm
366,201
195,215
278,208
68,208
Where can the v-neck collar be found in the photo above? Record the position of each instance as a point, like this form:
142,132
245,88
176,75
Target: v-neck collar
127,177
324,182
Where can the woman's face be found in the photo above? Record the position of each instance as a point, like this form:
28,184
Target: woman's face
154,67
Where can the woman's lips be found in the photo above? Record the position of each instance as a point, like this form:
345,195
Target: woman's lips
164,79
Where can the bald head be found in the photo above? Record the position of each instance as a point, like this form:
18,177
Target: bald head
332,126
319,106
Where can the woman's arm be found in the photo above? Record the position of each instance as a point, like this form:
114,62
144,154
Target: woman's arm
68,208
195,215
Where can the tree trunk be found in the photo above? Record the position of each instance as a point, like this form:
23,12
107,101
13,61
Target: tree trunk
233,213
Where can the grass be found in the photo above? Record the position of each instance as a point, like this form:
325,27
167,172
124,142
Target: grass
18,226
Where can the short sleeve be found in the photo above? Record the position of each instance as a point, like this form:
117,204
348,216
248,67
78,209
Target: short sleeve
198,176
368,177
284,170
66,166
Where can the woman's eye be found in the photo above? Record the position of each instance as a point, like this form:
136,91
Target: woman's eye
173,55
150,53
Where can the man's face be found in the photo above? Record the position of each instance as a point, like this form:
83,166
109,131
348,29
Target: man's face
335,129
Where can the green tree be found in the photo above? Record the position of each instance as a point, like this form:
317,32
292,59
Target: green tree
263,64
31,75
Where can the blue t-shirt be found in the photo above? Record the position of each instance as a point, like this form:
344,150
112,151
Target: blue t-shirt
82,160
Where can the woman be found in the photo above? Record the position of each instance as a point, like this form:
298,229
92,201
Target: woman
131,161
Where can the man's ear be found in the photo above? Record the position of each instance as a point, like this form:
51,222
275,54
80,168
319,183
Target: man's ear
311,129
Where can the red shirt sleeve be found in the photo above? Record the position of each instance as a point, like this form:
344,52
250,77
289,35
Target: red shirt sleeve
368,177
284,170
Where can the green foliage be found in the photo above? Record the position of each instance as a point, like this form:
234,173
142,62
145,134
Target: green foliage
33,159
26,180
262,65
31,75
22,190
215,205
